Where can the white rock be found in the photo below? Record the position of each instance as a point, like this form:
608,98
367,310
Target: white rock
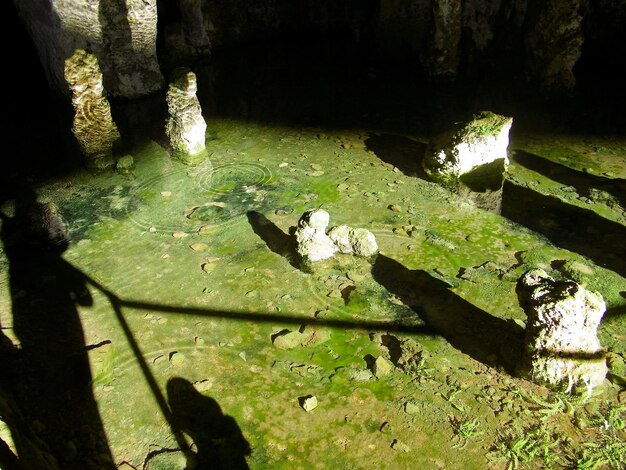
481,141
561,345
313,243
185,127
341,238
363,242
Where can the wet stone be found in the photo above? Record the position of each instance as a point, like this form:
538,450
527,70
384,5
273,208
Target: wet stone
288,340
308,403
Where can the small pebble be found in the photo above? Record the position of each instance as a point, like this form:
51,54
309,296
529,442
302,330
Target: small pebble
179,235
308,403
394,208
166,193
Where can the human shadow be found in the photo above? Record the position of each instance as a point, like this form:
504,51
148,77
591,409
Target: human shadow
219,442
53,385
486,338
276,240
584,183
403,153
570,227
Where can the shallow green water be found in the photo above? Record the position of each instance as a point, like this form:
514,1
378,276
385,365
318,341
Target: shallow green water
201,260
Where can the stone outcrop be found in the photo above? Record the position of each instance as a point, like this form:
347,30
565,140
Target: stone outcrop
121,33
561,344
553,42
185,127
443,47
469,148
93,125
313,243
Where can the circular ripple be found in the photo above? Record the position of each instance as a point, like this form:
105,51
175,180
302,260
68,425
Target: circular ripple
185,199
235,177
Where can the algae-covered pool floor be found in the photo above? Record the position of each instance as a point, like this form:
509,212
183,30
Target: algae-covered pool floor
202,330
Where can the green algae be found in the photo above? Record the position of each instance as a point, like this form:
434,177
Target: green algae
360,421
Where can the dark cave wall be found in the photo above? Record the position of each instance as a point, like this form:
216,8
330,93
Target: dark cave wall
549,43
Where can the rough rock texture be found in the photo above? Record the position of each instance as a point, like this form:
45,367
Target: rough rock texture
443,47
93,125
358,241
363,242
121,33
553,42
313,243
561,345
468,148
340,236
185,125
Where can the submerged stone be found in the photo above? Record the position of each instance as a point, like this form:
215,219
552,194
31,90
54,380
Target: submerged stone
185,127
93,125
561,344
357,241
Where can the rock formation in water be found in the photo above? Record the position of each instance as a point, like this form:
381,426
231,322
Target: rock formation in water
561,345
93,125
313,243
472,147
185,127
121,33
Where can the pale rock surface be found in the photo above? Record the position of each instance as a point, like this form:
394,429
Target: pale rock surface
121,33
357,241
93,125
561,345
185,127
472,145
313,243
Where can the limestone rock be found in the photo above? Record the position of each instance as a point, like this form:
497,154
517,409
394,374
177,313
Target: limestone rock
443,46
358,241
340,236
313,243
363,242
381,367
561,345
288,339
470,147
554,42
93,125
308,403
185,125
121,33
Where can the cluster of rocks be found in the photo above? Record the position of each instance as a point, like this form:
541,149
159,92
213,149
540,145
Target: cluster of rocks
314,243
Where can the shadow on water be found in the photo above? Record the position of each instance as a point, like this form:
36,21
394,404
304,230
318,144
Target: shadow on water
276,240
403,153
52,387
570,227
219,441
584,183
486,338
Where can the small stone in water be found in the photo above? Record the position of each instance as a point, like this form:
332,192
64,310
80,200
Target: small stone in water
394,208
179,234
166,193
199,246
308,403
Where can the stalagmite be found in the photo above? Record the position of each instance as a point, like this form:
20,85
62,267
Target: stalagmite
185,125
93,125
562,347
121,33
